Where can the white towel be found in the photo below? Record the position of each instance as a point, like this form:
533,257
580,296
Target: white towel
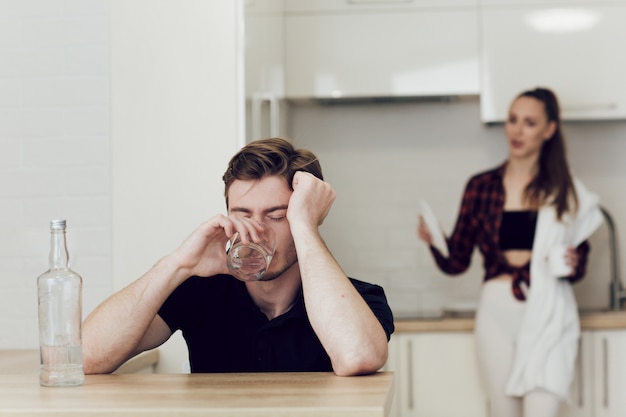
547,342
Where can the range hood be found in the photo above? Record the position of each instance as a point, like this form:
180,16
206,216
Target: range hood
373,100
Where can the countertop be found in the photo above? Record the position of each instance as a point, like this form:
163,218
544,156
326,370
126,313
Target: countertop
300,394
14,361
609,320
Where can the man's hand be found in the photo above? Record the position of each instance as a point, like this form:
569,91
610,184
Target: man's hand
203,253
310,202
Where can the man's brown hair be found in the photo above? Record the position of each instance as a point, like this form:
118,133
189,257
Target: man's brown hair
265,157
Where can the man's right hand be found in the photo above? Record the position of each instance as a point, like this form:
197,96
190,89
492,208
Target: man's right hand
203,253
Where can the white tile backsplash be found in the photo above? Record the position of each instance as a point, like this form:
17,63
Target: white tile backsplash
85,7
88,121
43,32
30,8
10,155
10,28
66,152
382,159
10,92
65,92
85,60
38,62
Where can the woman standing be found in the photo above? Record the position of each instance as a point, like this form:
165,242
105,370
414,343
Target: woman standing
516,214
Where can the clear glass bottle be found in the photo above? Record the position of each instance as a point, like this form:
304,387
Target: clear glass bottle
60,316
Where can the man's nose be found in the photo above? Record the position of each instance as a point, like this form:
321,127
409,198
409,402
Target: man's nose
258,218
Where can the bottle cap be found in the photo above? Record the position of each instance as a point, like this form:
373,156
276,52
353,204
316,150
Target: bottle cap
57,224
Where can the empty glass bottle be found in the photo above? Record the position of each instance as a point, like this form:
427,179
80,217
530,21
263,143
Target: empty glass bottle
60,316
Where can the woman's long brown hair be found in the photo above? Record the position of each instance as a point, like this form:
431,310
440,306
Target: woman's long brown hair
553,179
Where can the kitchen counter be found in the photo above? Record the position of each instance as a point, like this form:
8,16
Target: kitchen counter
599,320
298,394
26,361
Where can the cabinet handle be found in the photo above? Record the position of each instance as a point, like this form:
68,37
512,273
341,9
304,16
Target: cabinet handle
257,111
379,1
605,369
581,377
409,362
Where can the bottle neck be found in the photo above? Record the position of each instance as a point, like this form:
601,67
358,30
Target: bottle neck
59,257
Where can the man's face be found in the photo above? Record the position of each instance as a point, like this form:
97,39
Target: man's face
266,201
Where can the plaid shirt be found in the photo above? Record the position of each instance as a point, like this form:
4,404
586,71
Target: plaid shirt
479,223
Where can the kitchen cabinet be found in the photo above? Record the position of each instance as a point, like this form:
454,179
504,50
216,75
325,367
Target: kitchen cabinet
352,49
436,375
433,367
263,46
600,379
571,47
264,68
581,401
609,373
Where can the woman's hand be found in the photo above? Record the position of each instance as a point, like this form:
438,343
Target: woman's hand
571,259
423,232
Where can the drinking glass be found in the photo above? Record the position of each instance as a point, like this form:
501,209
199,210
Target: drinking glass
557,263
249,262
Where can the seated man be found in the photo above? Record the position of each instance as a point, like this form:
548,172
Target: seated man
305,315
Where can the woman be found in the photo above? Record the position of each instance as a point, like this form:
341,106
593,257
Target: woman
516,214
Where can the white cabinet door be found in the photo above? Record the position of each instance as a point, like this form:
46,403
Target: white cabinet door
263,47
264,68
571,47
610,373
382,52
437,376
582,391
393,365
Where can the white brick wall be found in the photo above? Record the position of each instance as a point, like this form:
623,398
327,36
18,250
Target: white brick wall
54,152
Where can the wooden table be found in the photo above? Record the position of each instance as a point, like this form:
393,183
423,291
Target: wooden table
181,395
26,361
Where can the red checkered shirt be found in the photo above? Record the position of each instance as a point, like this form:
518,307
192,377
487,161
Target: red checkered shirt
478,224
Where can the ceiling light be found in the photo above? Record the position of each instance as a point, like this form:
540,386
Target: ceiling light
562,20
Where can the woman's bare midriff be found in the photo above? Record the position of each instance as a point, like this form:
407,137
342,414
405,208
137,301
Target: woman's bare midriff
514,258
503,277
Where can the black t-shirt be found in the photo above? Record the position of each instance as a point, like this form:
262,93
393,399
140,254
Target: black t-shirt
226,332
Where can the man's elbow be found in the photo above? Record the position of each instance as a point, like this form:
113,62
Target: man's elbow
361,364
94,364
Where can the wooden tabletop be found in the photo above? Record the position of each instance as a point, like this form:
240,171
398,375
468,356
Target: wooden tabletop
248,394
26,361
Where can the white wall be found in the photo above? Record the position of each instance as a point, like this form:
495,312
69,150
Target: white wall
175,102
54,152
384,158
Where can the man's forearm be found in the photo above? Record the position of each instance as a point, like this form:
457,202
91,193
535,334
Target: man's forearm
113,331
344,323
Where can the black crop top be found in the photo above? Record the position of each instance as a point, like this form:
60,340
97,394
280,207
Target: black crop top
517,230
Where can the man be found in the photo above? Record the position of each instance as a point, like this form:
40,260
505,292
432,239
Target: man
305,315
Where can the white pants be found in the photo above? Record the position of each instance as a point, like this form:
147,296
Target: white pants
498,321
